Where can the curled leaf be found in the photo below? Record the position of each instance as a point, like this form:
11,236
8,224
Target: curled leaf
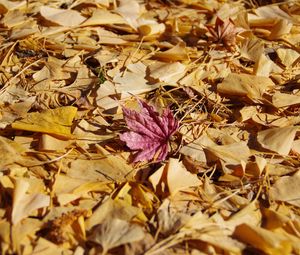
149,133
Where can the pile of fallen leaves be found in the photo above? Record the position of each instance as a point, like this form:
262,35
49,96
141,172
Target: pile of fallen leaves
149,127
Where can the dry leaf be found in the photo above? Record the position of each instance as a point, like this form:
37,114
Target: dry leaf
66,18
279,140
224,31
175,176
115,232
262,239
168,73
176,53
229,72
150,133
57,121
103,17
245,85
24,204
283,100
287,189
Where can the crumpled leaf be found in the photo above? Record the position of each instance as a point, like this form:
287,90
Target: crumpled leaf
149,132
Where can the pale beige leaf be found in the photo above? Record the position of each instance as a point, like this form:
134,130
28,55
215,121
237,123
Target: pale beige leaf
175,176
195,148
6,5
176,53
167,72
245,85
169,218
287,189
151,28
249,213
112,208
66,18
130,10
103,17
114,232
296,146
283,100
178,177
287,56
263,66
45,247
24,204
10,152
279,140
282,27
109,168
51,143
252,49
109,37
134,75
232,153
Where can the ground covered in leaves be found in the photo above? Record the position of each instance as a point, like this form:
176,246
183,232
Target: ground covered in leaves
149,127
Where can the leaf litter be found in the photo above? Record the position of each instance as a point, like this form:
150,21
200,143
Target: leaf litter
149,127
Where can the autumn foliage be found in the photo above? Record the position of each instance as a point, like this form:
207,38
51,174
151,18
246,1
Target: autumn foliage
149,127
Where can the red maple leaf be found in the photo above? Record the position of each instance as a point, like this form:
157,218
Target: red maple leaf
149,133
224,31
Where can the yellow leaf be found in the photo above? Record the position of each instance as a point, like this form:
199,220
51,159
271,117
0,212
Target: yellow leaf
287,189
283,100
103,17
178,52
279,140
287,56
245,85
175,176
114,232
66,18
264,240
10,152
54,121
24,204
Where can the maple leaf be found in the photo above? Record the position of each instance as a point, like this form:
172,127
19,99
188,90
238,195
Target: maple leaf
149,133
224,31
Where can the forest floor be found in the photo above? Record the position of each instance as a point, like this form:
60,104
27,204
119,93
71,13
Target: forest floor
149,127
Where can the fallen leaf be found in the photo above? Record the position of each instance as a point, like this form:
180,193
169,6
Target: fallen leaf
176,53
262,239
224,31
103,17
149,132
173,177
115,232
167,72
57,121
279,140
24,204
66,18
284,100
287,189
245,85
